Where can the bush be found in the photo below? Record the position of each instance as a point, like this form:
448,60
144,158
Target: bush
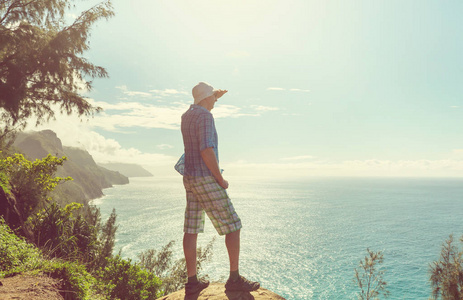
447,272
173,273
370,279
62,234
127,281
16,255
77,283
31,181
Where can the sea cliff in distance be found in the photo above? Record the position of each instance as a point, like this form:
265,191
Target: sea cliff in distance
89,178
129,170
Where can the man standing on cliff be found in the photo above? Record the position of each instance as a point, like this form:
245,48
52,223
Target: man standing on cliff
206,190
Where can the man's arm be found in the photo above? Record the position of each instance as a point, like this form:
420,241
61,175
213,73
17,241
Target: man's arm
210,160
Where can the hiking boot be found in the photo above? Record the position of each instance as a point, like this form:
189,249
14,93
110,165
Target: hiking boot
242,284
193,288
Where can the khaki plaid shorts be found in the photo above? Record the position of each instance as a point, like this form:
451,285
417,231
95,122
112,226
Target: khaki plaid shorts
205,195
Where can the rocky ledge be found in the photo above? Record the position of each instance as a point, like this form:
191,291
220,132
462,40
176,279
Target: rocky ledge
216,291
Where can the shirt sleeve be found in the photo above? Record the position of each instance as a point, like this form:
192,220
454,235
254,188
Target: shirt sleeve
206,131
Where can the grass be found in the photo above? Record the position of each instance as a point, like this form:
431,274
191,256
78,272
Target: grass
120,279
17,256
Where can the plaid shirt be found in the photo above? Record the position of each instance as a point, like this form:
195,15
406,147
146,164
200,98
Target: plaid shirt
198,131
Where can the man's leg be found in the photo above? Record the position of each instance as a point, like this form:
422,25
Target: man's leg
236,282
193,285
232,241
189,249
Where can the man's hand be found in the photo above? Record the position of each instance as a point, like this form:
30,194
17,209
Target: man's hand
220,93
223,184
210,160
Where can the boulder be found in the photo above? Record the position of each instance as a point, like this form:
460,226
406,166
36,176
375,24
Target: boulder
216,291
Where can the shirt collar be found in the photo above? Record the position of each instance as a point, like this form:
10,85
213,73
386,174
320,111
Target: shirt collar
200,107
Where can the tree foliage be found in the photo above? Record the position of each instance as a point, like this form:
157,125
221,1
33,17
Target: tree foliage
61,233
447,273
128,281
31,181
370,278
41,62
107,238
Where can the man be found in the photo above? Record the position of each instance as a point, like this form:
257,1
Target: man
206,190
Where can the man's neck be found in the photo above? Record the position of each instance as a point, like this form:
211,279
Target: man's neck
204,105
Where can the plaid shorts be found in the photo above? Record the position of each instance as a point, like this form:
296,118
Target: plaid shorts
204,194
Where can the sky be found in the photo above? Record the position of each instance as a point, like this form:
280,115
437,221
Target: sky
316,88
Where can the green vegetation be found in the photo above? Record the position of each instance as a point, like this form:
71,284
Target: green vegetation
370,277
65,256
42,71
173,273
126,280
69,243
447,272
41,61
30,182
16,255
72,244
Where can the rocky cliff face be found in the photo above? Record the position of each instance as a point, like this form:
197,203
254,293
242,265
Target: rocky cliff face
129,170
89,178
216,291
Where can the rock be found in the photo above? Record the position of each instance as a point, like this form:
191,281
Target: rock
216,291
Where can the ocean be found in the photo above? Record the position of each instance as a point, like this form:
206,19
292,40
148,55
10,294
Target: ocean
303,239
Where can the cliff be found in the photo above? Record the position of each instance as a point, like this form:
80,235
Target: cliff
216,291
129,170
89,178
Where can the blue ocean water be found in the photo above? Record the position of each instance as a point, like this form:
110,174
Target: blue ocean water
303,239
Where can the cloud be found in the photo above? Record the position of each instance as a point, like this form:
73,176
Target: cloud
168,92
73,132
283,89
238,54
134,114
152,93
299,90
164,146
230,111
140,115
302,157
457,153
118,117
264,108
126,91
370,167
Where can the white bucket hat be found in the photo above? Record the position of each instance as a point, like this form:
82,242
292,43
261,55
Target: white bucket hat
201,91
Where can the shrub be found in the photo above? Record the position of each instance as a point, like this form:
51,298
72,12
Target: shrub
127,281
370,279
77,283
173,273
31,181
447,273
62,234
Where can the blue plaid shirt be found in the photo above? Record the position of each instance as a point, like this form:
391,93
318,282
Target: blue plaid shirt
199,133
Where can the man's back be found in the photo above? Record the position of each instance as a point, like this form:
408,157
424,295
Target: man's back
199,133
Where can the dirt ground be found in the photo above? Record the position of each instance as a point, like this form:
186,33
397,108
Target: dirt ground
30,287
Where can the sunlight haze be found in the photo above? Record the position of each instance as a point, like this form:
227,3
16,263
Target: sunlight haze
316,88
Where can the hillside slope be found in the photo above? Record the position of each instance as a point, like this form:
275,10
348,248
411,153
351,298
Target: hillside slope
129,170
89,178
